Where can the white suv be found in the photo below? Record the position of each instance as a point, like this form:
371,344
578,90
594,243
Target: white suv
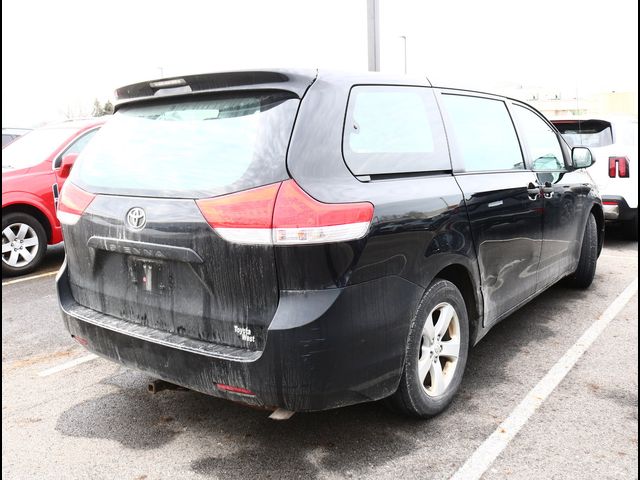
614,144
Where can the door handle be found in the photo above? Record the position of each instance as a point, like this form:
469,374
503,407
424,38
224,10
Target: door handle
533,191
547,190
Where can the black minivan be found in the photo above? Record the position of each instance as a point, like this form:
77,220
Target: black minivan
305,240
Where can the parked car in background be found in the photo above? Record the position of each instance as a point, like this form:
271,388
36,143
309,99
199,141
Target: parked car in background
309,240
614,144
11,134
33,171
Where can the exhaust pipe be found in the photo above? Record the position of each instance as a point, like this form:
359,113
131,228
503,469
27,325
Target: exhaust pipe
156,386
281,414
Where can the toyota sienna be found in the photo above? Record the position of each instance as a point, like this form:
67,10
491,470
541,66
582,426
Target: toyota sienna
309,240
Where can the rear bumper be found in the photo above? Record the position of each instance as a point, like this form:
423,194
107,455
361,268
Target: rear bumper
616,208
324,349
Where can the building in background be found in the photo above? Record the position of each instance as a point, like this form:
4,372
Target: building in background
558,102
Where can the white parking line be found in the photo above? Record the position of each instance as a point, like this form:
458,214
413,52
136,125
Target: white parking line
69,364
488,451
627,257
33,277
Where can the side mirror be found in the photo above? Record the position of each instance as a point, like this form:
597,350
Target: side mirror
582,157
66,164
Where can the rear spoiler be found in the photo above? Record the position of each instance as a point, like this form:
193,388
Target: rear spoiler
290,80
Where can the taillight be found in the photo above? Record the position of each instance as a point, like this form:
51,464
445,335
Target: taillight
284,214
298,218
623,167
243,217
622,164
72,204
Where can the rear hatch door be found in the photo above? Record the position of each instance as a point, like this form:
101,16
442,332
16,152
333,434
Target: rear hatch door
142,251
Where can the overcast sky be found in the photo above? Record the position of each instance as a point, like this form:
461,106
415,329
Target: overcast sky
58,56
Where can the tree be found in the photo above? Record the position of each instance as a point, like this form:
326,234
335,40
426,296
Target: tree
98,111
108,108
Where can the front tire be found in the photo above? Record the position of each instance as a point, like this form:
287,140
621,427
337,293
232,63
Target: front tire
24,243
583,276
631,228
436,353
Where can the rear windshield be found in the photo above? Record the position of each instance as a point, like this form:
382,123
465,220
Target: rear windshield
588,133
190,148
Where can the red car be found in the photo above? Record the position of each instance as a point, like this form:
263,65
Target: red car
34,168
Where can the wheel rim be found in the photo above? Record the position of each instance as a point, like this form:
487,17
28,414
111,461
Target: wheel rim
19,245
439,349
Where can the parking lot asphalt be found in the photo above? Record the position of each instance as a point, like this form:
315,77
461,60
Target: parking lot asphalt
96,419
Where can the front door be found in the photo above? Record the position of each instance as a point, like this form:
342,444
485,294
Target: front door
565,196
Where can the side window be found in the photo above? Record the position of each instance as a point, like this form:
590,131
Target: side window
75,147
541,140
483,133
393,129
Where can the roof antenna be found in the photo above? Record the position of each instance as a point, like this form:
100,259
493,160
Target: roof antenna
430,84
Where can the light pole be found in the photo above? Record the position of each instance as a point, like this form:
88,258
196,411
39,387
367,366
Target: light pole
373,35
403,37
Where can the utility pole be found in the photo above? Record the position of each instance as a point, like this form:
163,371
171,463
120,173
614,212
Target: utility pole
404,37
373,35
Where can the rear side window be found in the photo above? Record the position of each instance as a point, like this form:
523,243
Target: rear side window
482,133
190,148
394,130
588,133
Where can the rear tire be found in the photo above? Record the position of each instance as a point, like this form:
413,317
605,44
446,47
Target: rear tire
436,353
583,276
24,243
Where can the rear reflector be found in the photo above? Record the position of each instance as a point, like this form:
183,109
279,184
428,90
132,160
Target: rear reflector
82,341
609,202
240,390
72,204
284,214
622,164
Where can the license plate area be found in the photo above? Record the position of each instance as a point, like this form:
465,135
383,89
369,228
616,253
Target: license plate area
149,275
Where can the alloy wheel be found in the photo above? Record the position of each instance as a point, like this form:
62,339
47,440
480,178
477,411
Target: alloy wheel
19,245
439,349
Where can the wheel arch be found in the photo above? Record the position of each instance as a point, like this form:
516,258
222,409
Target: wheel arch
598,214
34,212
463,279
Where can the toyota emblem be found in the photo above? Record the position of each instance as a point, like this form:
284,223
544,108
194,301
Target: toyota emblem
136,218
